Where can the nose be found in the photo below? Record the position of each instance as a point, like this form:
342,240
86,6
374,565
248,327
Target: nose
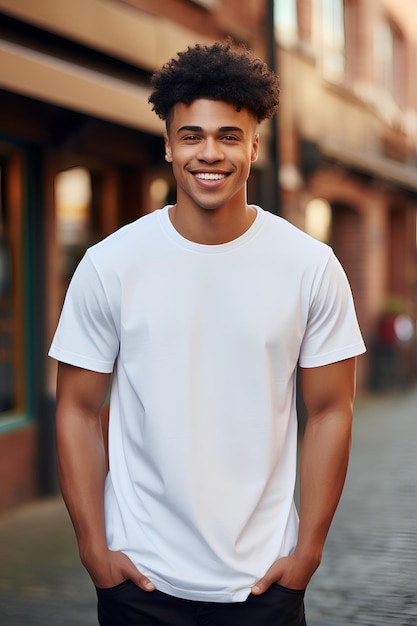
210,151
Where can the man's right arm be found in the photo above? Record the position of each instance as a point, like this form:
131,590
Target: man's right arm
82,472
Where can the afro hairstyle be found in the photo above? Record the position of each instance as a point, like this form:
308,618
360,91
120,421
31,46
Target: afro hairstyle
222,71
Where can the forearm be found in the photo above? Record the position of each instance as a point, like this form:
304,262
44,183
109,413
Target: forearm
82,471
323,468
328,394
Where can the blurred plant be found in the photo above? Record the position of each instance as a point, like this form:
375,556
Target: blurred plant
395,305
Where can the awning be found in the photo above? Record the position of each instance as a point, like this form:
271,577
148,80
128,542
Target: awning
402,175
59,82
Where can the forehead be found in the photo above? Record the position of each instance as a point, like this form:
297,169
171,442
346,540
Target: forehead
211,115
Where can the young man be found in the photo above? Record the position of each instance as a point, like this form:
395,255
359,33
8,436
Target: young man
199,314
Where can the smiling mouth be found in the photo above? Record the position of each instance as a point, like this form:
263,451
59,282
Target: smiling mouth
210,176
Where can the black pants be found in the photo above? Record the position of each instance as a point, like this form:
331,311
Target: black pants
127,605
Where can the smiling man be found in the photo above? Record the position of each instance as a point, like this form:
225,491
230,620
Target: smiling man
199,314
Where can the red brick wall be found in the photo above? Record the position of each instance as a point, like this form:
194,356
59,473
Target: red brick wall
348,243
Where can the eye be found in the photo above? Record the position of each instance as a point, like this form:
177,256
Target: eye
230,138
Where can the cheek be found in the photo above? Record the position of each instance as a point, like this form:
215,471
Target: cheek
180,176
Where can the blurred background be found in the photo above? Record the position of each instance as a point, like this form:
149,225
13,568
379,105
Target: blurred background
81,154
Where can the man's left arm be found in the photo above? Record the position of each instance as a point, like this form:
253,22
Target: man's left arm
329,393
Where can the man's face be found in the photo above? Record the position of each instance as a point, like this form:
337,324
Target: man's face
211,146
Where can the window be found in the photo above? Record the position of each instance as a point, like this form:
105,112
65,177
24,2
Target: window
158,191
73,217
11,300
286,22
390,59
333,38
318,219
6,311
293,22
337,33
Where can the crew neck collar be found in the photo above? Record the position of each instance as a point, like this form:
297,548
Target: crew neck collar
177,238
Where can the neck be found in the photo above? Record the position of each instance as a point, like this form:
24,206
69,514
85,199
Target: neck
211,226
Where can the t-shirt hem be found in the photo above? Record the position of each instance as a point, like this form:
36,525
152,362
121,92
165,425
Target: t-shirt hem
332,357
71,358
202,596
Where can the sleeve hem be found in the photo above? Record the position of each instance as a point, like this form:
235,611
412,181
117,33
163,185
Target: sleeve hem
78,360
332,357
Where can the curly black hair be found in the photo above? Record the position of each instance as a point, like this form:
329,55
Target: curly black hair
221,71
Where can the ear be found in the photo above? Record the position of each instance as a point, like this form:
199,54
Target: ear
255,148
168,151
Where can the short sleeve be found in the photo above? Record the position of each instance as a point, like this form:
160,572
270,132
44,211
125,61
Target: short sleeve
86,335
332,333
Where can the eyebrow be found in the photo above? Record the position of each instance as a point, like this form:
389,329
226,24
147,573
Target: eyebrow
199,129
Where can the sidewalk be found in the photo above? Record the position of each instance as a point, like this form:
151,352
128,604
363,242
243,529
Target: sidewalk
41,579
367,577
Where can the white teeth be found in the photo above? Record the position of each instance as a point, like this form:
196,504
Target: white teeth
207,176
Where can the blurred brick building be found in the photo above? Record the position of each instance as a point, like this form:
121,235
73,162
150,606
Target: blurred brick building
81,153
348,153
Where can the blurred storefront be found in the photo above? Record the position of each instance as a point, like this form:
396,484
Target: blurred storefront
81,153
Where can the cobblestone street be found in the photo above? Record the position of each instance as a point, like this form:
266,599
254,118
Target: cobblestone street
368,576
369,571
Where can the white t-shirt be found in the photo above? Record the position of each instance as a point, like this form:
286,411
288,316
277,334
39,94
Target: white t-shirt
204,342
